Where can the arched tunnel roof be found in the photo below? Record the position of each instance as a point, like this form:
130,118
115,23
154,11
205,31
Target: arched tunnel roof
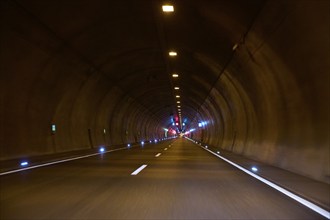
126,44
253,70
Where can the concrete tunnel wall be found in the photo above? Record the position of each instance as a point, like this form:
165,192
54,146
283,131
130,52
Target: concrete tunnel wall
273,97
270,104
43,84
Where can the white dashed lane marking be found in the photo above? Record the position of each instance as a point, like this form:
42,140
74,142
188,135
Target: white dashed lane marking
139,169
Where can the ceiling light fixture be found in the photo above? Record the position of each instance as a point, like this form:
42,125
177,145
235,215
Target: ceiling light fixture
176,88
174,75
168,8
177,96
172,53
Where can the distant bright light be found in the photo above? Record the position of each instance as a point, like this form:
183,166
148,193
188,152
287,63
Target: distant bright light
218,152
178,102
179,106
254,169
206,146
128,145
156,141
183,124
175,75
172,53
165,129
176,88
104,131
177,96
53,128
101,150
177,123
24,163
168,8
201,124
142,142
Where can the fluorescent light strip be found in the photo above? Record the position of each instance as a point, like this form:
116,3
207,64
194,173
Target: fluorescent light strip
139,170
60,161
303,201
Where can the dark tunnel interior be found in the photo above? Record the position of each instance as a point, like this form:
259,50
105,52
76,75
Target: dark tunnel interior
249,77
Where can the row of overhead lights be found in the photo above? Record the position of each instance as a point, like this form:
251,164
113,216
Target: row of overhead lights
169,9
177,96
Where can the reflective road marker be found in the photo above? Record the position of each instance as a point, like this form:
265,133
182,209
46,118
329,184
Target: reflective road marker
59,161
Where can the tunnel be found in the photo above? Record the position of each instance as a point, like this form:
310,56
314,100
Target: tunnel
242,79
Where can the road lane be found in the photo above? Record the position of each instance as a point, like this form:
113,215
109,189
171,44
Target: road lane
184,182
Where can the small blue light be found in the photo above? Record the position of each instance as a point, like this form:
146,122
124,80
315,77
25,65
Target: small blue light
156,141
142,142
101,150
24,163
128,145
254,169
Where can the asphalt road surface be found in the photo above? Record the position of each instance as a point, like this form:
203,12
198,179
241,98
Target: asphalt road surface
180,181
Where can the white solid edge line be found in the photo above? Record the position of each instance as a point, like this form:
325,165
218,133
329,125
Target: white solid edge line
157,155
303,201
59,161
138,170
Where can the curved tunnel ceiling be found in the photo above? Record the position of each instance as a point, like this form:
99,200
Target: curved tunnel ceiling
256,71
128,43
